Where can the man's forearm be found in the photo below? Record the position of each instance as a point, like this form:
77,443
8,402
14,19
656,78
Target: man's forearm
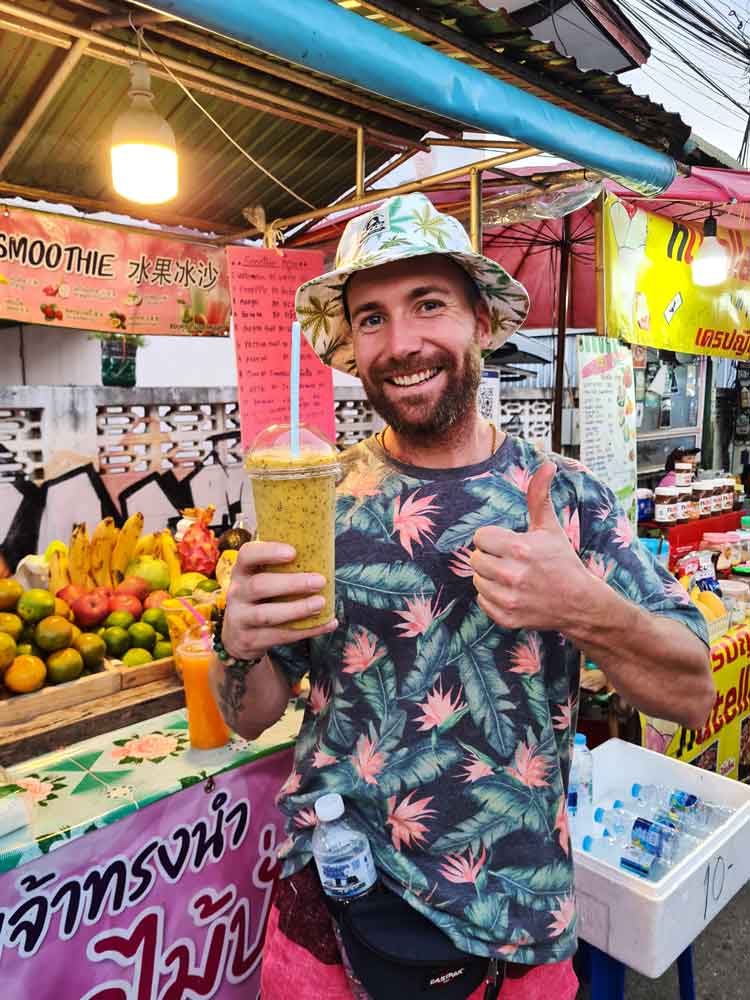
654,662
249,700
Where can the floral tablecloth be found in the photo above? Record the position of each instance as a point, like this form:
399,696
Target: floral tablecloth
92,784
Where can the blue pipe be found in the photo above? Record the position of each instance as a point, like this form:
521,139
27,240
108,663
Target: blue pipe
332,40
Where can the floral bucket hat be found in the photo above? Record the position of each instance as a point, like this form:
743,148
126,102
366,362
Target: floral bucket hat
401,227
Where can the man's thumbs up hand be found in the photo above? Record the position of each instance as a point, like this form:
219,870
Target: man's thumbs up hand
533,579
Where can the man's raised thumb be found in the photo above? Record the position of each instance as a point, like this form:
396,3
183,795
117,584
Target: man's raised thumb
542,514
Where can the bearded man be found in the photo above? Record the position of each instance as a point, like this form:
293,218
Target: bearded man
471,572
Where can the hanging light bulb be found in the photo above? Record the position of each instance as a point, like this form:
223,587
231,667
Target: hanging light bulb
711,263
144,153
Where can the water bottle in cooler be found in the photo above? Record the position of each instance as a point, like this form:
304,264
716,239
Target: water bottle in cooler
580,784
631,859
342,854
693,812
660,839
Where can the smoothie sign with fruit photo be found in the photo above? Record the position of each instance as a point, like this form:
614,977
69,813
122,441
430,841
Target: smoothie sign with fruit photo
65,272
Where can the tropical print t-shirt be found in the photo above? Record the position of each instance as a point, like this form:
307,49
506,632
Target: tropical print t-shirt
449,737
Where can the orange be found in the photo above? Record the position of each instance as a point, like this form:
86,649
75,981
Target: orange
62,608
8,651
92,648
137,657
26,673
142,636
35,604
64,665
11,624
10,591
53,633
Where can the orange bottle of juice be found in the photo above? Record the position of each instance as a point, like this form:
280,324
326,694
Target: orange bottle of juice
193,656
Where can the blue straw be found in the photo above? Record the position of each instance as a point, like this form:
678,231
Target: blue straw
294,389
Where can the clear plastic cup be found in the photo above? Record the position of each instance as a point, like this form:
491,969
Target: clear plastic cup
295,503
194,655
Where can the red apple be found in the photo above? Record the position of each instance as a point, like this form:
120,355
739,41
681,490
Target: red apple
90,610
135,586
126,602
156,598
104,591
71,593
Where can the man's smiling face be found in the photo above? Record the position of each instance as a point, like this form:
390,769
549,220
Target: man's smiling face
419,328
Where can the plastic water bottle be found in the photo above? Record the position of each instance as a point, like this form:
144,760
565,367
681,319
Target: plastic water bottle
660,839
692,829
342,854
580,783
631,859
694,812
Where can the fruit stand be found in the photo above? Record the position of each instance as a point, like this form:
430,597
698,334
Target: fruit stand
87,644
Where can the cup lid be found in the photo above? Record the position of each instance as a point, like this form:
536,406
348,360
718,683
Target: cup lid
271,454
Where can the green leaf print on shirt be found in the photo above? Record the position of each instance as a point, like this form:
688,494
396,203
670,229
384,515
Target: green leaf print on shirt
378,686
534,887
432,652
473,649
419,764
382,585
491,914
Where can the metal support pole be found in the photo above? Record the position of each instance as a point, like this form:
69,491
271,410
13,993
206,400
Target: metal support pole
599,286
360,170
44,100
475,210
562,332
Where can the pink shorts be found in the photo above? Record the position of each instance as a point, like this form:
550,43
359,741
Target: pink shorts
301,960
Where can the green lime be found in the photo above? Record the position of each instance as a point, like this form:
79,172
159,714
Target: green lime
137,657
142,636
11,624
162,650
119,619
208,586
156,618
8,650
118,641
35,604
92,648
64,665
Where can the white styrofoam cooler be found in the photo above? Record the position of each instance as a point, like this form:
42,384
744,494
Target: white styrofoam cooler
648,924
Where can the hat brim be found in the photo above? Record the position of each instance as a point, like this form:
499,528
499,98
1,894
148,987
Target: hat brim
319,303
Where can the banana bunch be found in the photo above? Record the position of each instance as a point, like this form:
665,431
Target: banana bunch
712,607
146,545
79,557
124,549
166,549
59,576
103,543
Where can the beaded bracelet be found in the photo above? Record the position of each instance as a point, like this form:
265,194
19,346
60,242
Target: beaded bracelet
229,661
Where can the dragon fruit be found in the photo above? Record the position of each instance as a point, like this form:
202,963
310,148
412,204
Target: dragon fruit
198,549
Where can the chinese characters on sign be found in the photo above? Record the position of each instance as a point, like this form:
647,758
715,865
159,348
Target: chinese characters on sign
263,283
68,273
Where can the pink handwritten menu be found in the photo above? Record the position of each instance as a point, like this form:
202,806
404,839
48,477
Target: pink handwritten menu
262,284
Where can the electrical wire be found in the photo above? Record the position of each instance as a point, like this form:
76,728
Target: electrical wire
227,136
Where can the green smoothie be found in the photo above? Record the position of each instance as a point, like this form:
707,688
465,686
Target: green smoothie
295,503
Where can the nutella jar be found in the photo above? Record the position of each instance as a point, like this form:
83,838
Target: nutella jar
727,495
665,504
715,495
682,502
703,496
693,504
683,472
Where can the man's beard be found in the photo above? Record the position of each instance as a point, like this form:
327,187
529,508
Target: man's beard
422,422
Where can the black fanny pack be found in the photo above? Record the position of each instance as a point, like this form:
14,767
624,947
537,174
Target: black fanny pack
396,952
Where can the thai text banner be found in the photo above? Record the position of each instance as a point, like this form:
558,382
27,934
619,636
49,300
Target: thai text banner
650,297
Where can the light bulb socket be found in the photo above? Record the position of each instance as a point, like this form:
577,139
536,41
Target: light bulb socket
709,226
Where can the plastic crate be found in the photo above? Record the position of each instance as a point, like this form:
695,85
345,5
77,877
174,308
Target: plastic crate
648,924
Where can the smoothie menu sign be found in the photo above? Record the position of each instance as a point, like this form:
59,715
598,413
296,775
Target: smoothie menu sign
59,271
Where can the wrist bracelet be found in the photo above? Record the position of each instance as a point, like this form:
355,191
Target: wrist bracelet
229,661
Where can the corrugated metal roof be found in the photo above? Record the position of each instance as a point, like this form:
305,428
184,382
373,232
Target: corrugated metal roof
309,144
496,43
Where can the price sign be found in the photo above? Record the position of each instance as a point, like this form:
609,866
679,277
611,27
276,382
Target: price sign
262,285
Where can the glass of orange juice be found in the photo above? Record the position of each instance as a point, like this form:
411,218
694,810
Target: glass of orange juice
194,655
